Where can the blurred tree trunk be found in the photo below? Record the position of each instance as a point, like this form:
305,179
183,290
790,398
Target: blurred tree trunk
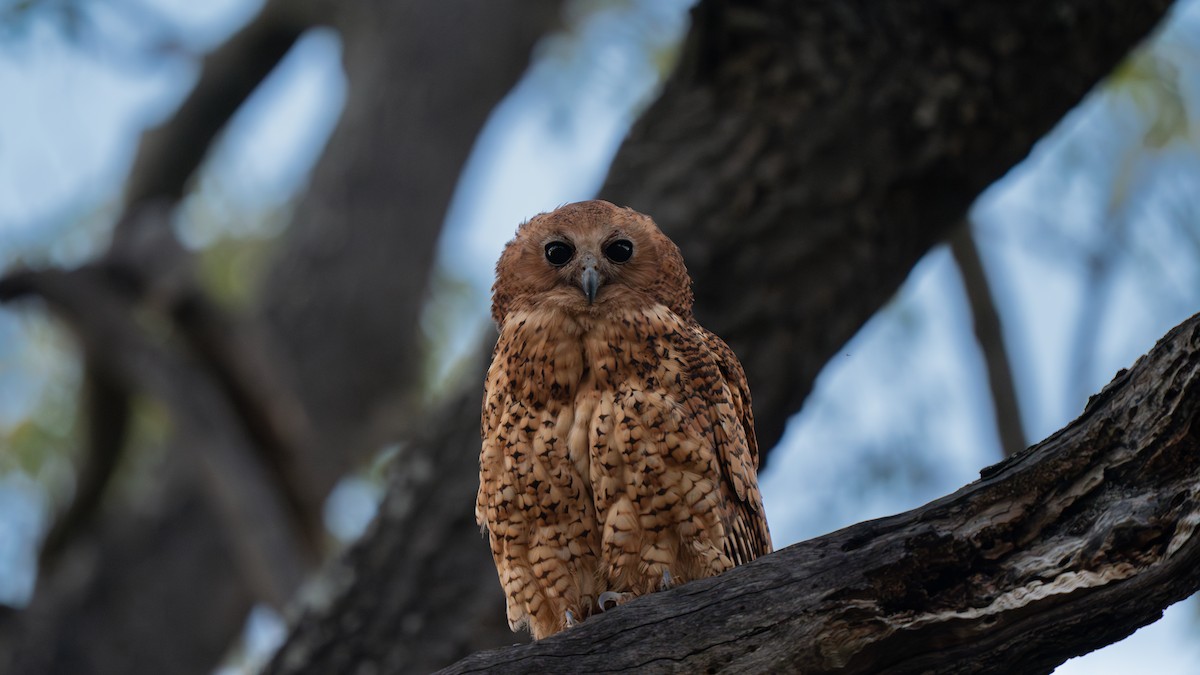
804,156
153,587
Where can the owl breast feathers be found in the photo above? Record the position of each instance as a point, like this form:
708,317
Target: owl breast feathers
618,443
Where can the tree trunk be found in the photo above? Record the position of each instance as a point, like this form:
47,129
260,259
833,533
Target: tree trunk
1064,548
806,155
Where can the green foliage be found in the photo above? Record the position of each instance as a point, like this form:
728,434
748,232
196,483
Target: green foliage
40,442
1151,81
230,268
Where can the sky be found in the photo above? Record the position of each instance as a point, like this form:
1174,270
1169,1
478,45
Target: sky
886,428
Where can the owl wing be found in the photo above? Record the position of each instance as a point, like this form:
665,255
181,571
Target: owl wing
721,395
532,501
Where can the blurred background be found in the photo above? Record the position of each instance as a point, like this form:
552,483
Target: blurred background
1087,252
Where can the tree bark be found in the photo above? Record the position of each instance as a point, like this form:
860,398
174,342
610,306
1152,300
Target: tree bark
408,597
806,155
1057,551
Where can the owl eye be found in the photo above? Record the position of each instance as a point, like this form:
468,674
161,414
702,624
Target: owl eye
619,251
559,253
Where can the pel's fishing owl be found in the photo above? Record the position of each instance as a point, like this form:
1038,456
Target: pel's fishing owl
618,443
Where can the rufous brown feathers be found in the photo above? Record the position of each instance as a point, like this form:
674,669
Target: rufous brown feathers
618,452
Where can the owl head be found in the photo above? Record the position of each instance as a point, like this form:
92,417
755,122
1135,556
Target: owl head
590,258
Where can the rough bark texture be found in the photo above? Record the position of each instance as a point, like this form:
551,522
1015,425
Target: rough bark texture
806,155
1064,548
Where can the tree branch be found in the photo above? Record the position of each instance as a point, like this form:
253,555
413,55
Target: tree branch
1057,551
169,155
272,551
107,414
990,337
814,151
145,258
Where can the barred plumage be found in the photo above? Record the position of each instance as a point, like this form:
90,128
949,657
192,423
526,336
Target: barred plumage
618,439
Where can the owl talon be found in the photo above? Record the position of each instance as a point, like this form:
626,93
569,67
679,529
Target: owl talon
571,622
613,597
666,581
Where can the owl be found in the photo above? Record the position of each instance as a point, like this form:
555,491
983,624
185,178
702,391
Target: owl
618,452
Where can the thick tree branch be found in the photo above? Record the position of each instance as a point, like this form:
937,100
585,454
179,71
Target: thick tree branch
415,543
270,548
169,155
1057,551
106,403
812,152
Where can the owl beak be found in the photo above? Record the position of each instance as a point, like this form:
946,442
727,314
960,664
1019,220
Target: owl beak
590,282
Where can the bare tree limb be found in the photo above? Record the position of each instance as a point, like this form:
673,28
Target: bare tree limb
106,403
271,550
147,259
1059,550
169,155
990,337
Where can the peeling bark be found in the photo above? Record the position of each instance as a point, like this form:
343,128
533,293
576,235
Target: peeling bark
1066,547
